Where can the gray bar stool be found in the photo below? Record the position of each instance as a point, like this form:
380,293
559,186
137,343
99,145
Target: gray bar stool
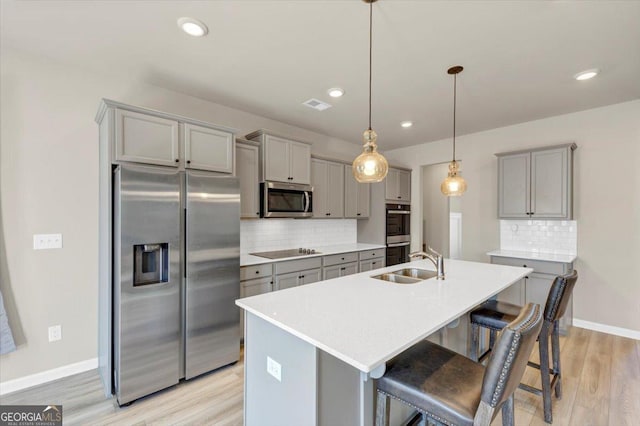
451,389
496,315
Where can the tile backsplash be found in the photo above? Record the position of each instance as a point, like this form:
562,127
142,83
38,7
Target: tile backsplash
279,234
542,236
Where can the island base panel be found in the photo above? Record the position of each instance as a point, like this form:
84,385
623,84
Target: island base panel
269,402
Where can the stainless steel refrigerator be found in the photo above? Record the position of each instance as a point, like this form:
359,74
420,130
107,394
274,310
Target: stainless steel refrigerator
176,272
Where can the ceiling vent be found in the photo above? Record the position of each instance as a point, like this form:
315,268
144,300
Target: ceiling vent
316,104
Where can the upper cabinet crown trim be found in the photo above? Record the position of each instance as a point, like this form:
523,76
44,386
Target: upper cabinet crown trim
571,145
260,132
108,103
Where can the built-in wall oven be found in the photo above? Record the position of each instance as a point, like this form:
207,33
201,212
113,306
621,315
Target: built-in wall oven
398,229
278,199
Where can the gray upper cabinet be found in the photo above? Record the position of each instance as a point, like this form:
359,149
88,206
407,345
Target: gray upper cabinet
144,138
247,167
208,149
398,185
514,186
327,179
536,184
357,196
142,135
283,160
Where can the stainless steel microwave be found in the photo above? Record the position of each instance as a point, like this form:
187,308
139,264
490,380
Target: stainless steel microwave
278,199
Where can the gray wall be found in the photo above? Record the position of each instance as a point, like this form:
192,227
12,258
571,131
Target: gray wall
606,200
435,208
49,184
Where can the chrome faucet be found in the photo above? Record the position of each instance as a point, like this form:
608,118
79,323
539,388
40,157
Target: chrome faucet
433,256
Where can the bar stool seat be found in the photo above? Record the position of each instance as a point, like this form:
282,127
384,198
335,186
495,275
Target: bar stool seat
450,389
495,315
444,383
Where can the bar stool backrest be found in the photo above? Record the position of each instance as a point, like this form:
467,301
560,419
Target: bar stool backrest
559,296
510,356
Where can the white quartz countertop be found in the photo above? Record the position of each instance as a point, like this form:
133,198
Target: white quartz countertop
249,260
530,255
365,321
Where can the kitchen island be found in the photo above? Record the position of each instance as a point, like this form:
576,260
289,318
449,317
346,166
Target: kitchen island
311,351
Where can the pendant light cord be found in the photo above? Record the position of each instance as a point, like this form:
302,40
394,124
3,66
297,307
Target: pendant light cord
455,76
370,55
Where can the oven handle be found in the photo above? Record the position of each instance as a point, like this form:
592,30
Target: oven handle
399,244
398,212
306,201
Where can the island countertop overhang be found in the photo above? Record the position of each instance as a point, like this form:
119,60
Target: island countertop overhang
365,321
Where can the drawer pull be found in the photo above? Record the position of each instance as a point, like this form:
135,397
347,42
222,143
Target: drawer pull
257,272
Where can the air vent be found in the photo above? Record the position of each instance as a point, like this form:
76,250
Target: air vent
316,104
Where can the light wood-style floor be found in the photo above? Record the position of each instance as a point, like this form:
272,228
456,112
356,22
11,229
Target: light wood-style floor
601,382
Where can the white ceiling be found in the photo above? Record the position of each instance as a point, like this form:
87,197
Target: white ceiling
267,57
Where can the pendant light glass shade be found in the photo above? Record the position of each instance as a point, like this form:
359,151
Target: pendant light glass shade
370,166
454,185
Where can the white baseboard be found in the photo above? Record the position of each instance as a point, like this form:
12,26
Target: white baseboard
47,376
609,329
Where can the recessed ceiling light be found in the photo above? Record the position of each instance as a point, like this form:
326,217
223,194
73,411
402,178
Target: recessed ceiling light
193,27
586,75
335,92
406,124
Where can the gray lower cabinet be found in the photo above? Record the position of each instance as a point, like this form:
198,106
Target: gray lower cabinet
342,270
371,264
535,287
536,184
294,279
254,280
293,273
371,259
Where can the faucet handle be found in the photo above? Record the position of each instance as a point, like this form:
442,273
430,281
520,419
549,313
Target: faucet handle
434,252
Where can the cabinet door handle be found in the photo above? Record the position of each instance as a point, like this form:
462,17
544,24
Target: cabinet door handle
374,263
342,269
301,276
177,160
188,161
399,197
257,213
327,214
257,272
359,214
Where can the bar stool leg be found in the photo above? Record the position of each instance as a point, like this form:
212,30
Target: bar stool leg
382,410
544,371
492,338
475,337
508,416
555,348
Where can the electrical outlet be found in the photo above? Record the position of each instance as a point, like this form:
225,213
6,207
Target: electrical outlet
55,333
47,241
274,368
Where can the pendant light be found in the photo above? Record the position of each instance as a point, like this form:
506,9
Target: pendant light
370,166
454,185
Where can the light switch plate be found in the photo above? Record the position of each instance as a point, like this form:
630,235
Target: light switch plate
274,368
47,241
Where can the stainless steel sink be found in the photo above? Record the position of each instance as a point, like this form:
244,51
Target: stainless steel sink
422,274
397,279
406,276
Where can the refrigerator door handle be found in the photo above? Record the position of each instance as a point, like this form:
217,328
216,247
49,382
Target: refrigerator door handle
184,243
